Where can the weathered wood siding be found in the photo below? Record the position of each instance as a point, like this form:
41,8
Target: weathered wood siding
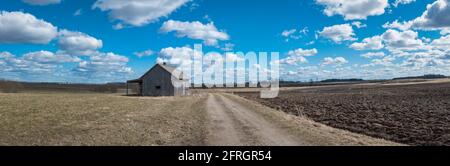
158,77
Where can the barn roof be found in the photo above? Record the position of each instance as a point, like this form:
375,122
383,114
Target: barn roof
169,69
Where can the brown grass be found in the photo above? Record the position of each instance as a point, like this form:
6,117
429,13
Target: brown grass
99,119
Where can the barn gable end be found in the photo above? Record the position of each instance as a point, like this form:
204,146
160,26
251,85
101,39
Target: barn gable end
158,82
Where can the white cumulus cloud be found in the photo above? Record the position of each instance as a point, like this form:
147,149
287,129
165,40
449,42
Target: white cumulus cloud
302,52
195,30
5,54
358,24
373,54
19,27
141,54
287,33
442,43
338,33
354,9
104,64
402,2
338,61
138,12
180,56
435,17
37,62
402,40
77,43
297,56
49,57
372,43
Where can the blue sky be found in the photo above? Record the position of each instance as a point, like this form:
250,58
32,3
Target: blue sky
99,41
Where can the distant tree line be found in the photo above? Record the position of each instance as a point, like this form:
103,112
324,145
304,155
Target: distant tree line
427,76
15,87
343,80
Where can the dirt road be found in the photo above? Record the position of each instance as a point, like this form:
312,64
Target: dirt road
236,121
234,124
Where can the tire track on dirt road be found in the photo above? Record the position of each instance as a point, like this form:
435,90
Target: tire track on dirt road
221,130
233,124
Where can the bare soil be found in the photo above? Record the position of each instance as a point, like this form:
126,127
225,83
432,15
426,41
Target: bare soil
411,113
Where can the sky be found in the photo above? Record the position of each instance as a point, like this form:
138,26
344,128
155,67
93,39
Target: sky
99,41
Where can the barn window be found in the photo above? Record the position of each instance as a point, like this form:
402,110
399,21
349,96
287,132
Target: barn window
158,87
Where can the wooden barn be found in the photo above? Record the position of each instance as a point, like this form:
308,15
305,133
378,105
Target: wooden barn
161,80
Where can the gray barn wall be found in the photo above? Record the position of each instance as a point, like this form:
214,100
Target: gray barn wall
158,77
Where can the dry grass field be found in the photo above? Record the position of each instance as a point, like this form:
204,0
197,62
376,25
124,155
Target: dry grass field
201,119
100,119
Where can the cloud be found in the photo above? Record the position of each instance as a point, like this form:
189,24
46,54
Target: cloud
422,62
77,43
302,52
442,43
297,56
435,17
19,27
109,58
398,25
24,66
103,65
195,30
402,2
5,54
287,33
354,9
445,31
338,61
78,12
180,56
402,40
35,62
141,54
372,43
358,24
42,2
294,33
292,60
49,57
49,66
393,40
184,57
138,12
386,61
228,47
338,33
373,54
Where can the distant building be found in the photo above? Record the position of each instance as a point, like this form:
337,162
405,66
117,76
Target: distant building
161,80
